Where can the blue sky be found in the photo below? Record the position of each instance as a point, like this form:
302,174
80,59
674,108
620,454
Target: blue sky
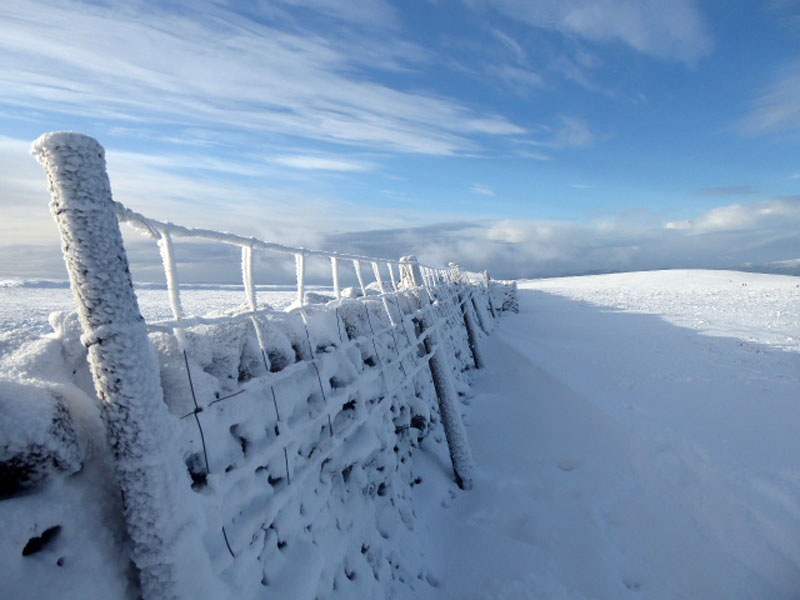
535,138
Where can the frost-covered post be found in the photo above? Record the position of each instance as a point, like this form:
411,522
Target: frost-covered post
477,311
410,273
141,433
449,408
465,300
463,297
488,281
442,376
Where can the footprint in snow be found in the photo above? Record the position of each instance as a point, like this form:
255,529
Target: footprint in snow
632,583
569,464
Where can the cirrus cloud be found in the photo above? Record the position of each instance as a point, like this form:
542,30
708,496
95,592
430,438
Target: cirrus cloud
672,30
268,74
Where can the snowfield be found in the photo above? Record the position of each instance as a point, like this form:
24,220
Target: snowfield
749,306
635,437
28,303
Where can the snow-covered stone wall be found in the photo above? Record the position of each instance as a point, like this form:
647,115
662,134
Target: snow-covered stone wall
297,429
253,454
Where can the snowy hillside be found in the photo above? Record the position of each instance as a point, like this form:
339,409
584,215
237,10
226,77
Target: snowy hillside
636,437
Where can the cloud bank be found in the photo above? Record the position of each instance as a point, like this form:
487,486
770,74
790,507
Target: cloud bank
728,236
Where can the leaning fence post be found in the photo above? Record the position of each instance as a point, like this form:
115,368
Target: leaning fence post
478,312
449,409
465,300
442,376
141,433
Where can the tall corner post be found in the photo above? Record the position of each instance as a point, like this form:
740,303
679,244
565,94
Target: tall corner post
140,431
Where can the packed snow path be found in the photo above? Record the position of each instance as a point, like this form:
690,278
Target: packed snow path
621,455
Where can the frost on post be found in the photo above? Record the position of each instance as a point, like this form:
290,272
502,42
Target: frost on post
141,433
410,273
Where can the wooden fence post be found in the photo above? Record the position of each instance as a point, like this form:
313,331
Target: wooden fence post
141,433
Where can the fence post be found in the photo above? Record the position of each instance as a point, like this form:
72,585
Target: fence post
140,431
410,273
488,282
478,312
465,299
442,375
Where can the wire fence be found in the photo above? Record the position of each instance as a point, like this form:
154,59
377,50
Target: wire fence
283,405
433,285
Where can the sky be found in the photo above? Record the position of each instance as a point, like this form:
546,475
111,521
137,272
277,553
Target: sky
533,138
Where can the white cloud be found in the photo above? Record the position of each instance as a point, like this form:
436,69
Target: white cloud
516,49
672,30
680,224
533,155
727,236
777,110
198,191
24,198
519,79
482,190
574,71
769,215
375,13
320,163
723,238
572,131
209,65
564,131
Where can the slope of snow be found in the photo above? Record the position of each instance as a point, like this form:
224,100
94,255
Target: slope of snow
749,306
635,436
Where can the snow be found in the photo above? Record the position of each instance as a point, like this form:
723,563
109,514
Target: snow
713,302
309,421
27,304
631,436
635,436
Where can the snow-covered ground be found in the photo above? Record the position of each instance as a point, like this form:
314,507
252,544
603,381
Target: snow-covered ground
636,437
749,306
28,303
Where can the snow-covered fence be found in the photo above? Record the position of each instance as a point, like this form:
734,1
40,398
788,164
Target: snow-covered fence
263,452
